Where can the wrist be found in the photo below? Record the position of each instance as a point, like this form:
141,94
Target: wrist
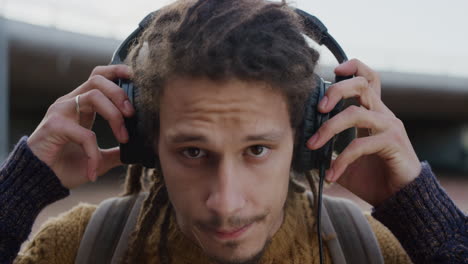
33,144
409,174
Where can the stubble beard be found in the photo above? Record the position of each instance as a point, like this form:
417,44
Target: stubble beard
254,259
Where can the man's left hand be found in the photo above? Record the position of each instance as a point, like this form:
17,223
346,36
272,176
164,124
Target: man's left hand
381,160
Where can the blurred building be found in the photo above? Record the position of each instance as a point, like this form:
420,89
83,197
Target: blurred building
39,64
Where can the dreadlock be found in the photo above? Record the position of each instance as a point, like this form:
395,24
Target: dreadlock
133,180
157,199
250,40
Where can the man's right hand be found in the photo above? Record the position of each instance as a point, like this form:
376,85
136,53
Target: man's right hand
64,140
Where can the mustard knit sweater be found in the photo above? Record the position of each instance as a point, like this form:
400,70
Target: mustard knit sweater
295,242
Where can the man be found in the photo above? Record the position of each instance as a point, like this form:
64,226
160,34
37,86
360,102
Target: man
223,85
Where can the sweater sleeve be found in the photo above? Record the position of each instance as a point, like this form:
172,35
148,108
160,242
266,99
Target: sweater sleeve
426,221
392,251
58,240
27,185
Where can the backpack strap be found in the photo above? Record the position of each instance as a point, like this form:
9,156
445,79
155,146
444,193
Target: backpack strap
129,227
356,237
329,234
106,236
344,224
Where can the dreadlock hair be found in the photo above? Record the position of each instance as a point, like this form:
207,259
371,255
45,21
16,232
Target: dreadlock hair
250,40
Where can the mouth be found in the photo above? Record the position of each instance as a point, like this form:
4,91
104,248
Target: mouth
230,234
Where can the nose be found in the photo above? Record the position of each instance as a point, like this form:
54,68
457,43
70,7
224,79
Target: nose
226,196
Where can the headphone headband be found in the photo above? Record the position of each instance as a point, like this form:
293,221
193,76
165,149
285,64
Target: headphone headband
314,28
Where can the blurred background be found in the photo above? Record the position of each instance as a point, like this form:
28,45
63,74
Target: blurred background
49,47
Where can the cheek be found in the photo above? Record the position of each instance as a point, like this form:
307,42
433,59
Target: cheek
179,185
272,181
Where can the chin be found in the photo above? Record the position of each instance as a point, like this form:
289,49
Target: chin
245,247
235,253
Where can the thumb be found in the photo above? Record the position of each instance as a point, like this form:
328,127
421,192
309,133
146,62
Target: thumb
110,160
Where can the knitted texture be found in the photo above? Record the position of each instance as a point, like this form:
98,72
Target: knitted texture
295,241
27,185
429,226
391,248
59,238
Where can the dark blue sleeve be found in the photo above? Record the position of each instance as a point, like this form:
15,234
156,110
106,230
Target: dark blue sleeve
27,185
426,221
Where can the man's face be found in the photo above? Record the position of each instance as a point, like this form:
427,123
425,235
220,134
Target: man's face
225,150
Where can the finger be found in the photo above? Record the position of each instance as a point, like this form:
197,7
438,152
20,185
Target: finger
95,101
359,147
352,116
112,72
355,87
357,68
70,131
91,102
109,89
110,160
106,86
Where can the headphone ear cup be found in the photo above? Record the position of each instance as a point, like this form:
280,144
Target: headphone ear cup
344,138
136,150
304,158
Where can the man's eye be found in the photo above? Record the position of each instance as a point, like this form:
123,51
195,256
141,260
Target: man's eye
193,153
258,151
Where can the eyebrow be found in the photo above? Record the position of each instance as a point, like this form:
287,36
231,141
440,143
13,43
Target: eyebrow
270,136
185,137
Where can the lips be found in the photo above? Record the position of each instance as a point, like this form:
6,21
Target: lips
223,234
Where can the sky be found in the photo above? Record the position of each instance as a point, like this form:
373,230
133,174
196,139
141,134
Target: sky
405,36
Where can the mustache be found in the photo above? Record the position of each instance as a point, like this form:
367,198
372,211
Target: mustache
233,222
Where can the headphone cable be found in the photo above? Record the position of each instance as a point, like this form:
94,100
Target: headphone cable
319,209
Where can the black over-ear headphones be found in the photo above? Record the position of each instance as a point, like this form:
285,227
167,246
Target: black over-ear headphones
139,151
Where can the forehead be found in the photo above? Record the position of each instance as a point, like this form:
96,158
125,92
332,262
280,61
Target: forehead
190,103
